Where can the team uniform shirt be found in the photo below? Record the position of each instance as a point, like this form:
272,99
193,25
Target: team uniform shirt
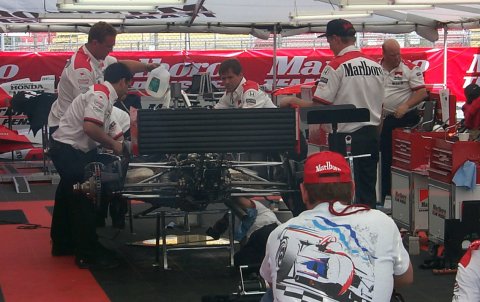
81,71
247,95
467,282
400,83
94,106
352,78
471,113
318,256
121,118
265,216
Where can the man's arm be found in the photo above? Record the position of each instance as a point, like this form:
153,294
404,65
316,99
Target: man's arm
96,133
405,278
292,100
137,66
416,98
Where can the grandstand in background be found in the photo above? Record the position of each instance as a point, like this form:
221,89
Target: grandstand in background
36,42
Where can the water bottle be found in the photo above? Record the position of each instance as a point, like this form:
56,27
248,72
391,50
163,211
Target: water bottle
158,82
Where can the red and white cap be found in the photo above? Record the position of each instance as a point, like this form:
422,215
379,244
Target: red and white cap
326,167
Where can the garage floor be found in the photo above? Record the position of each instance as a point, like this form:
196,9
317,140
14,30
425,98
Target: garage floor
29,273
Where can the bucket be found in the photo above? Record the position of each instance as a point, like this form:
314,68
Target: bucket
158,82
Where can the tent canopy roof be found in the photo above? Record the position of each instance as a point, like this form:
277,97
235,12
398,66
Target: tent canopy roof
258,18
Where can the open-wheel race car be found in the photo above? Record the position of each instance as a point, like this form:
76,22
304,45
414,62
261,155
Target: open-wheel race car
193,156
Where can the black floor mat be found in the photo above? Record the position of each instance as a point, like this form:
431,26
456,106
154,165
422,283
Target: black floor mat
12,217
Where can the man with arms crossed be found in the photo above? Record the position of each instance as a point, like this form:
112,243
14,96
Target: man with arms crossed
404,90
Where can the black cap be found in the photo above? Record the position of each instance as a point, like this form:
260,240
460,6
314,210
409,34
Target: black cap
339,27
472,92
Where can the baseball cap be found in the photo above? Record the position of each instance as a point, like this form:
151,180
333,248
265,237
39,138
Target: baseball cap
339,27
326,167
472,91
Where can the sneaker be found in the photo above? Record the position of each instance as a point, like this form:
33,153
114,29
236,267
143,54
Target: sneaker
212,233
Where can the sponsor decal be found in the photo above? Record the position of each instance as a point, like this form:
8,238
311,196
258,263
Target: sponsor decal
400,197
423,199
26,86
251,101
323,80
472,75
328,166
363,70
439,211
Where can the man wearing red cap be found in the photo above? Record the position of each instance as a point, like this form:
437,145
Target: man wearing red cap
351,78
334,251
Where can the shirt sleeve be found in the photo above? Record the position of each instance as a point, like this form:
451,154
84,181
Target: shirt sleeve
253,98
97,105
265,268
114,130
416,80
467,281
391,259
223,103
327,86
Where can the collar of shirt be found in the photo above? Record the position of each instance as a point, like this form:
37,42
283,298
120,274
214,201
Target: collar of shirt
96,63
348,49
113,93
237,92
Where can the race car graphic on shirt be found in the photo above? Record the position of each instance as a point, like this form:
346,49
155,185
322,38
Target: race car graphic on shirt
324,260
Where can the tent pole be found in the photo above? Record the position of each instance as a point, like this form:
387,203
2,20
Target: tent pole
445,49
274,58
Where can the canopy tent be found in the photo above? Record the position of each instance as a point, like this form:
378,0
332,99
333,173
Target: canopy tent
258,18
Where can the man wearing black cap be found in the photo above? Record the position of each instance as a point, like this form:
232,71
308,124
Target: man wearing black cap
352,78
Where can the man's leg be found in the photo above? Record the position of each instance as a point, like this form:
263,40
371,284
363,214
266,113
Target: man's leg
365,141
386,150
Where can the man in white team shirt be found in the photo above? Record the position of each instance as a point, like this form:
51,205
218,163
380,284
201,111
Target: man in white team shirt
85,126
334,251
239,92
86,68
352,78
404,90
467,282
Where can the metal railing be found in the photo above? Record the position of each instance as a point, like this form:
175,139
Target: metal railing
31,42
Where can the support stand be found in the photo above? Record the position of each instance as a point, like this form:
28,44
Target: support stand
337,114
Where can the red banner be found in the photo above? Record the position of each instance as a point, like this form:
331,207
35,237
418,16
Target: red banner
295,66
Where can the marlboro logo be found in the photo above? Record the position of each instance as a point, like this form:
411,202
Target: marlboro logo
328,166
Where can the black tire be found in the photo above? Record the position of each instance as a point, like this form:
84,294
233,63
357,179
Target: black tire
285,258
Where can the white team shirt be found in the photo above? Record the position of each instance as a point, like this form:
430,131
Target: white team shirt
121,118
94,106
247,95
352,78
81,71
318,255
467,282
400,83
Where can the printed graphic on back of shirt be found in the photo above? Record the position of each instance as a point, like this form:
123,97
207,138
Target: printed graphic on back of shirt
322,259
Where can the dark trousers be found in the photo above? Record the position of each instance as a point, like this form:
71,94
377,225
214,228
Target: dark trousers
73,221
253,251
410,119
364,141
